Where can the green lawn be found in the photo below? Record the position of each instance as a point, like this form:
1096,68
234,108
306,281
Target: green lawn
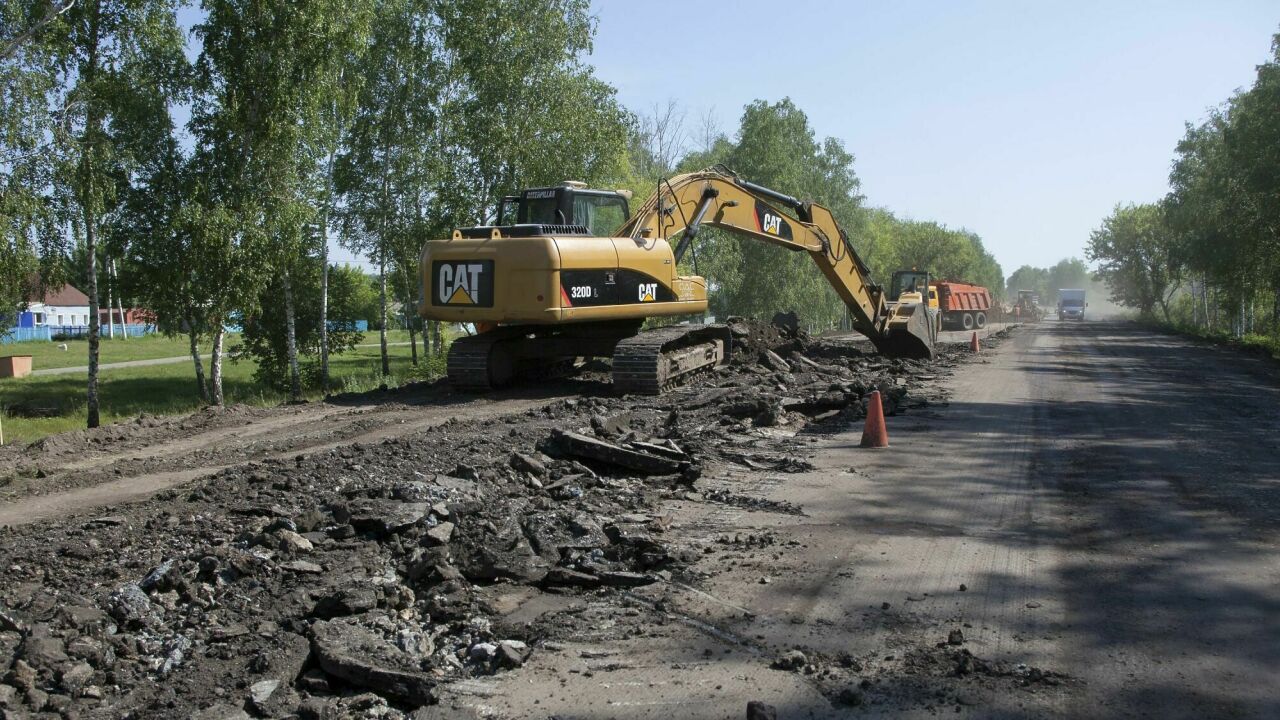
49,355
170,389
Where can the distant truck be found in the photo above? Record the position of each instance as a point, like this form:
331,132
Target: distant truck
960,306
1071,304
1027,307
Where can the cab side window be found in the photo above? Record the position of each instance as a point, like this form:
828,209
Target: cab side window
601,215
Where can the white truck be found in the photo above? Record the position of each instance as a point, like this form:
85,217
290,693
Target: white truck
1071,304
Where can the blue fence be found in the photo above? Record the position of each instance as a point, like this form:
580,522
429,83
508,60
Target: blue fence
49,333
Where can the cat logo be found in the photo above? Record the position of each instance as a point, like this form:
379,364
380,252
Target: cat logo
464,283
771,224
648,291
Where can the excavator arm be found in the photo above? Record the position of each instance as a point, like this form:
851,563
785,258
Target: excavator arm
719,198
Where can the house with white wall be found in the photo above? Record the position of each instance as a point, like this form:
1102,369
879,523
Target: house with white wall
64,307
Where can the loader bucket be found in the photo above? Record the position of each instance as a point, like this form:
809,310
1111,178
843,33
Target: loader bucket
908,334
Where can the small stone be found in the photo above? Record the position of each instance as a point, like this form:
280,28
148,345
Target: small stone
260,692
774,361
764,580
757,710
8,696
528,463
44,651
76,677
793,660
955,637
511,653
1033,604
440,510
291,542
130,605
302,566
885,606
963,587
37,699
483,651
441,534
314,682
158,578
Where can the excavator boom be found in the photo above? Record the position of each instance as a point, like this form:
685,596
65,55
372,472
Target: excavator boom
719,198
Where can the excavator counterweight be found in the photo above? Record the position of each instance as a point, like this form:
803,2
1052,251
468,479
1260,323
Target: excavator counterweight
576,274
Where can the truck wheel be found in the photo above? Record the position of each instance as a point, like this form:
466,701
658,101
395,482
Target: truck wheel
980,320
967,321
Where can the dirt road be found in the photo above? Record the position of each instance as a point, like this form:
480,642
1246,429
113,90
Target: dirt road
1095,500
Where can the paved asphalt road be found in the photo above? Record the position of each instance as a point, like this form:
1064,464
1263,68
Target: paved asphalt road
1108,497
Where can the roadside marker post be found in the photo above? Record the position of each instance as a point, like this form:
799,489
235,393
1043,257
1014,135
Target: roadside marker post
874,433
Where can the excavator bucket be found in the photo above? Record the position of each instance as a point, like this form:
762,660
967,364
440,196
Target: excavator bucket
908,334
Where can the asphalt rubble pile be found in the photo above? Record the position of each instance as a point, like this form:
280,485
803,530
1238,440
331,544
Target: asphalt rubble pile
357,581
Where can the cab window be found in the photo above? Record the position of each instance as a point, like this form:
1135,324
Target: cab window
541,211
601,214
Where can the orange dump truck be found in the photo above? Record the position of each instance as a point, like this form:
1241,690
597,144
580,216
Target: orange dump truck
962,306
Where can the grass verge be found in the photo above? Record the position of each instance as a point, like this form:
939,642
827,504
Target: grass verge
171,389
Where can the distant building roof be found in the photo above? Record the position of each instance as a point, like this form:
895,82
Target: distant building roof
65,296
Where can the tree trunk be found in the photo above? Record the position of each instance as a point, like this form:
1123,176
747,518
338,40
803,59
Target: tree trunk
91,245
124,330
324,309
437,342
382,294
111,325
215,368
201,388
291,341
407,310
426,350
88,205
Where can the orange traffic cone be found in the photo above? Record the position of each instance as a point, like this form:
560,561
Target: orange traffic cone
874,434
973,343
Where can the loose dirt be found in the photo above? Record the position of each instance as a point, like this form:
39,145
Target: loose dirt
378,556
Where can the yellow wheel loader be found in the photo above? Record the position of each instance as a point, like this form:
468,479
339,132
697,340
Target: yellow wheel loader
569,272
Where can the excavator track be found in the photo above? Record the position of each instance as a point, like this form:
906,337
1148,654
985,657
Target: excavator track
657,360
477,363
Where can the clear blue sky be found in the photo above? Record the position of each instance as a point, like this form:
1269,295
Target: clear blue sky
1025,122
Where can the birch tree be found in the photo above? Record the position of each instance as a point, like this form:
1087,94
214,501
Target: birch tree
268,76
115,57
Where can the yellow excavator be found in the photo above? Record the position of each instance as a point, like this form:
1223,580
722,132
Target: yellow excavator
569,272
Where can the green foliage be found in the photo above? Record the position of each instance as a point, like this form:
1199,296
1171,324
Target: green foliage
1137,258
28,215
1217,228
1067,273
357,292
264,331
776,147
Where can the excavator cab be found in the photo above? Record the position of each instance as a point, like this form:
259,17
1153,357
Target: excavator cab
912,283
570,205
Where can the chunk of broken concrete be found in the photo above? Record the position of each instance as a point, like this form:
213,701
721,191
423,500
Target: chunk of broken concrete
528,463
577,445
441,533
386,517
348,651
